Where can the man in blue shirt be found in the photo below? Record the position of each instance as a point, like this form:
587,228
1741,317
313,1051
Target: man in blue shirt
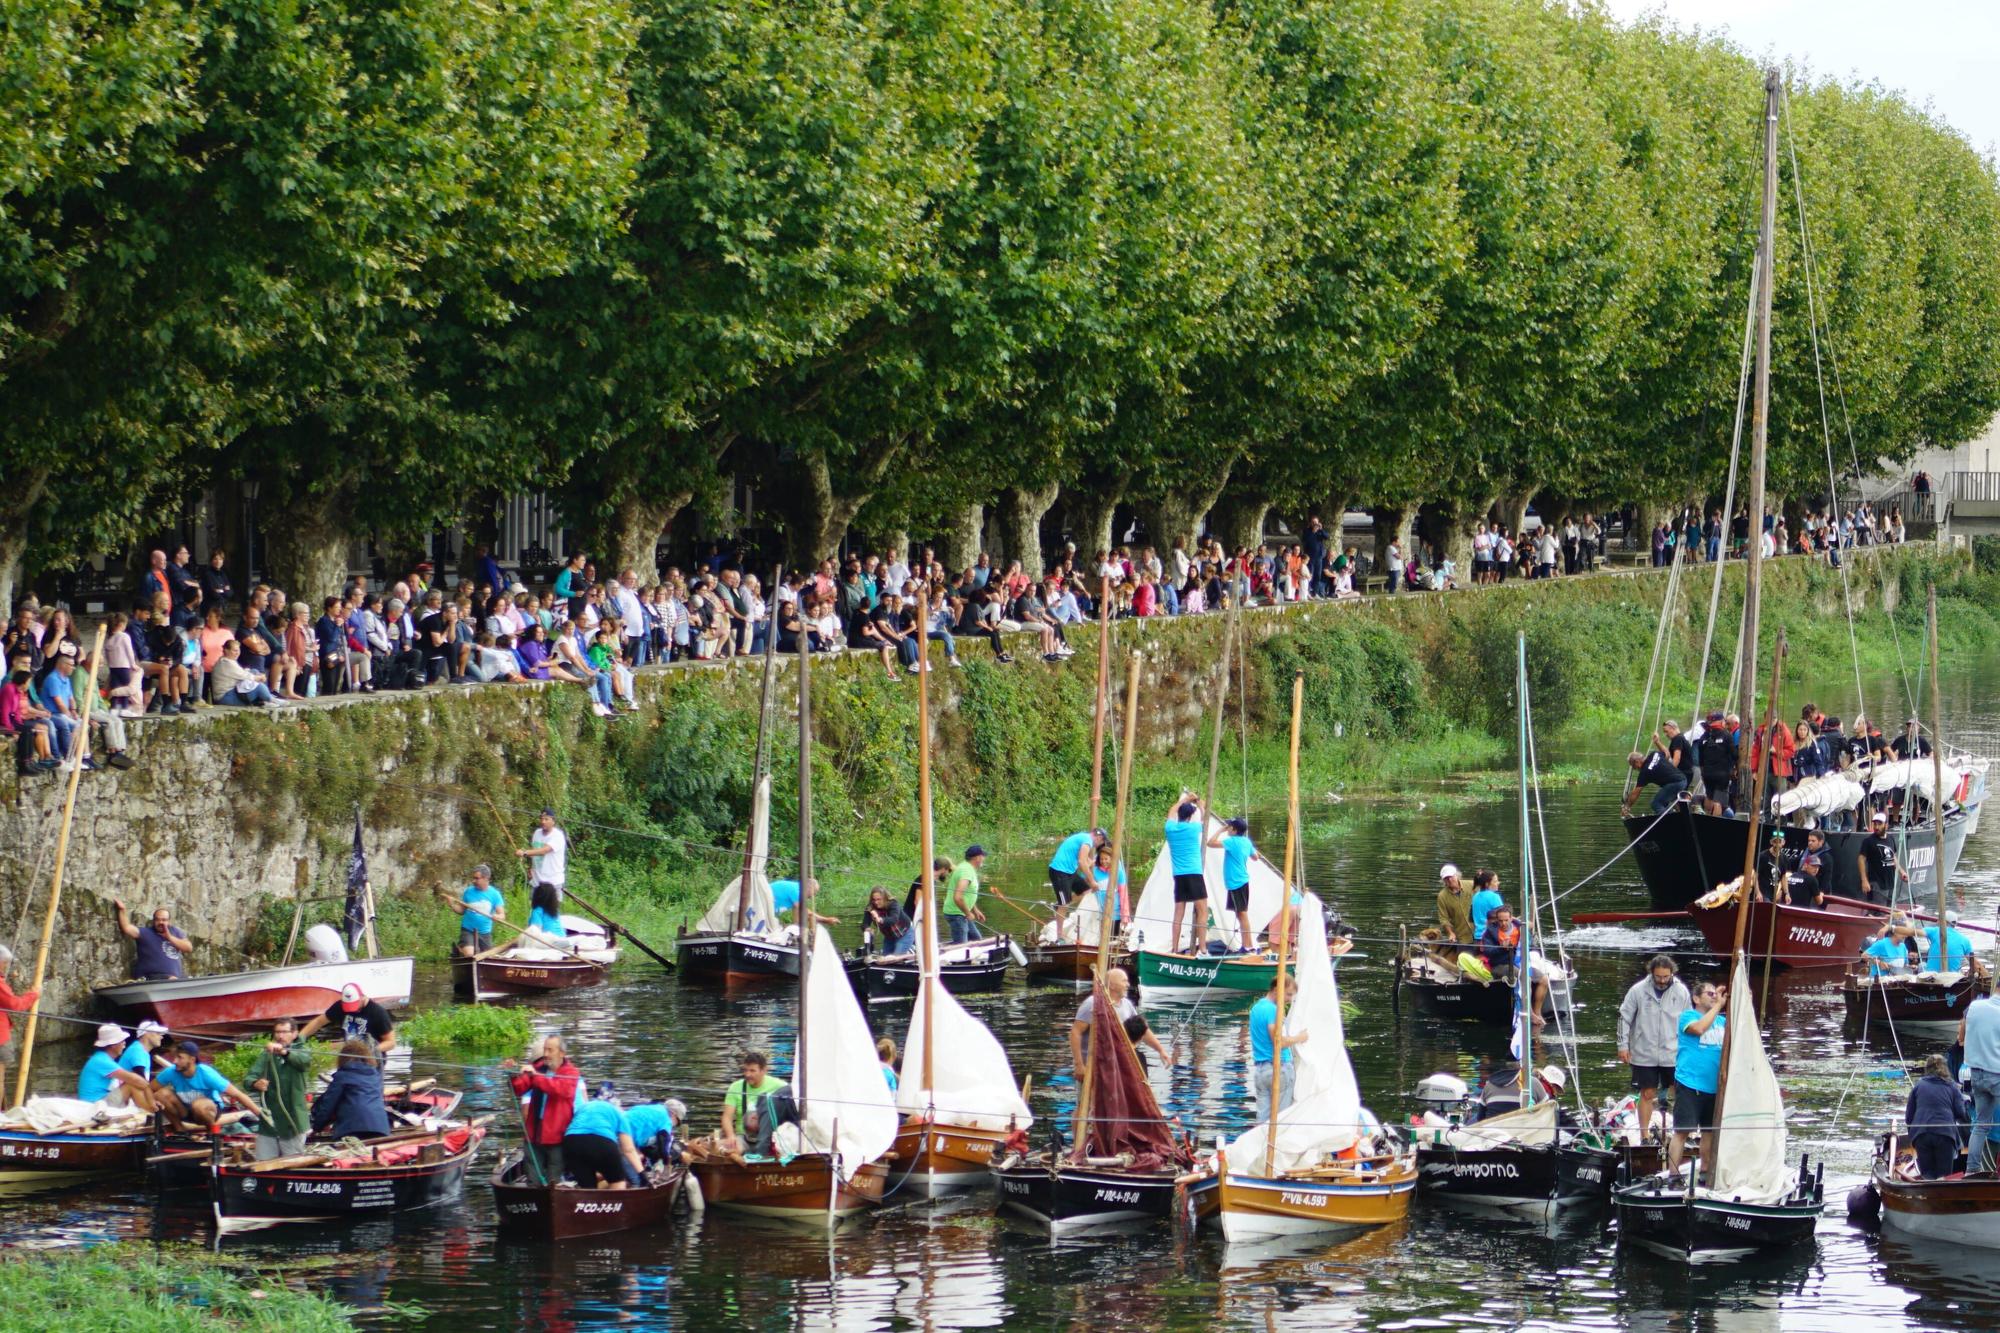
598,1151
105,1076
1485,897
654,1127
1887,953
1184,828
1958,945
1979,1034
1265,1041
483,905
1697,1067
1069,869
157,950
1237,854
190,1090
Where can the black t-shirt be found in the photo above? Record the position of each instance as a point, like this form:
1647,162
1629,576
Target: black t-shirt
371,1020
249,659
887,622
1768,869
1905,748
1718,752
1657,769
1860,747
1682,754
1878,853
434,624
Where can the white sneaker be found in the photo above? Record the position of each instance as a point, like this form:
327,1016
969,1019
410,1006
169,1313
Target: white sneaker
131,714
600,710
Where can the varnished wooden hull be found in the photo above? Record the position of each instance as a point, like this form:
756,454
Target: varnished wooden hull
1072,965
943,1158
552,1213
1254,1207
500,976
804,1189
246,1198
50,1159
1963,1210
1917,999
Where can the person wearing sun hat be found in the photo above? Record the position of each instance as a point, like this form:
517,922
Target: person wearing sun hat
354,1016
1454,906
104,1077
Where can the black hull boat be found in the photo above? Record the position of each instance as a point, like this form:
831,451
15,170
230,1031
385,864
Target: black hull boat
1518,1177
1660,1215
876,979
417,1174
1689,852
734,959
1066,1198
1436,990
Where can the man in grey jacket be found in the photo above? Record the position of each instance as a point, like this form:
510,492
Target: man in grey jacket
1648,1032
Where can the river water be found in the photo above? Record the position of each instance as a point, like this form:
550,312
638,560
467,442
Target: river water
952,1264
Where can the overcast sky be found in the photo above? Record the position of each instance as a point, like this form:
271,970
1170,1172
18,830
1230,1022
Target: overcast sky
1942,52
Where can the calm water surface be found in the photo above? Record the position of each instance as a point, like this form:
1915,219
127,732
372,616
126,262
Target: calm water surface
952,1264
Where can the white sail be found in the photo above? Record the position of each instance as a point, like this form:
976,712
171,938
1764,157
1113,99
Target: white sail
1154,915
1325,1114
1827,795
1918,775
1530,1126
1750,1138
972,1085
760,917
848,1108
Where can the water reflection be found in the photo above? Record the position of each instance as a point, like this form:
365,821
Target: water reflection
952,1264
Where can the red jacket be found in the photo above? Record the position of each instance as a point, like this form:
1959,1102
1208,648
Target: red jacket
12,1003
551,1099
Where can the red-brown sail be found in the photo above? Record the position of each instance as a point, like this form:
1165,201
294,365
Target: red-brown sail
1124,1117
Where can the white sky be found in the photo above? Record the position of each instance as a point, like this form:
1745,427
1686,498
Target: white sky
1942,52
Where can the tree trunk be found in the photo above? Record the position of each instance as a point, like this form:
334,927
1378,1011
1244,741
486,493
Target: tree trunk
629,536
822,511
1392,524
1176,515
306,545
1238,520
17,502
1516,512
1021,511
1639,537
958,545
1091,506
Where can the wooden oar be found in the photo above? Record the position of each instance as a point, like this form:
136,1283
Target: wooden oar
571,895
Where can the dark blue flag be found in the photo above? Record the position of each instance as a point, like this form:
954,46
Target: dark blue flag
357,888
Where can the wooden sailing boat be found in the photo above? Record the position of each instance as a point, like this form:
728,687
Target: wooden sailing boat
1742,1198
1940,992
1125,1163
739,939
827,1163
1318,1164
1524,1158
957,1092
1963,1208
1067,956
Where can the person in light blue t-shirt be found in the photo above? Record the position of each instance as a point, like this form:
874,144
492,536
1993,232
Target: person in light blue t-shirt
105,1076
1100,875
1070,867
1697,1067
1888,954
598,1151
1485,897
483,905
1959,946
1184,828
1265,1042
1237,854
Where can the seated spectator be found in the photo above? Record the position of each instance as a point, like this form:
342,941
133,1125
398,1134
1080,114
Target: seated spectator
212,636
435,632
26,724
884,630
234,685
606,658
493,660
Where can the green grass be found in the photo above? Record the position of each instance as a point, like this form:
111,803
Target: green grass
467,1027
234,1062
134,1288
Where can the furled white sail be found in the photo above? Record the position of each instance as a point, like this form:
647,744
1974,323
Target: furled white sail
1827,795
972,1084
1154,916
1325,1114
1918,775
1530,1126
848,1107
1750,1138
760,917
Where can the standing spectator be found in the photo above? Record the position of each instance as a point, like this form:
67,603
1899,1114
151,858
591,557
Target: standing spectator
185,589
301,654
1315,543
330,642
216,589
631,617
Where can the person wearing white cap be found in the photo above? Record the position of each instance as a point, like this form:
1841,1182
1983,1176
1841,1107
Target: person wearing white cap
140,1055
1877,862
1454,905
1958,955
104,1077
355,1015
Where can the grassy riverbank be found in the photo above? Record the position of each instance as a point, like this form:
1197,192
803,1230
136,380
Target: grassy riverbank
1396,690
136,1287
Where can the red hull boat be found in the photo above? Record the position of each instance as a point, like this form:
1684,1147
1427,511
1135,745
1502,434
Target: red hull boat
243,1001
1786,935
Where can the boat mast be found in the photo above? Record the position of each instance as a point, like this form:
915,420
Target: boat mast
1097,992
1760,422
1524,975
758,771
808,924
926,846
1215,741
1285,926
1103,700
1943,959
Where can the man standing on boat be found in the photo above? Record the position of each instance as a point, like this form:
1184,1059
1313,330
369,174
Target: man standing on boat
1648,1033
1265,1041
1184,827
1979,1035
1117,987
1697,1067
549,1088
483,905
1877,862
961,897
1237,854
548,854
1454,907
1070,868
1715,748
158,948
10,1003
356,1016
279,1075
1958,954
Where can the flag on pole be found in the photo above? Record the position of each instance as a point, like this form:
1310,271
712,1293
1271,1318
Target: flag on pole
357,888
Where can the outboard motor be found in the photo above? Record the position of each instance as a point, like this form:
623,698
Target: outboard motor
1442,1094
